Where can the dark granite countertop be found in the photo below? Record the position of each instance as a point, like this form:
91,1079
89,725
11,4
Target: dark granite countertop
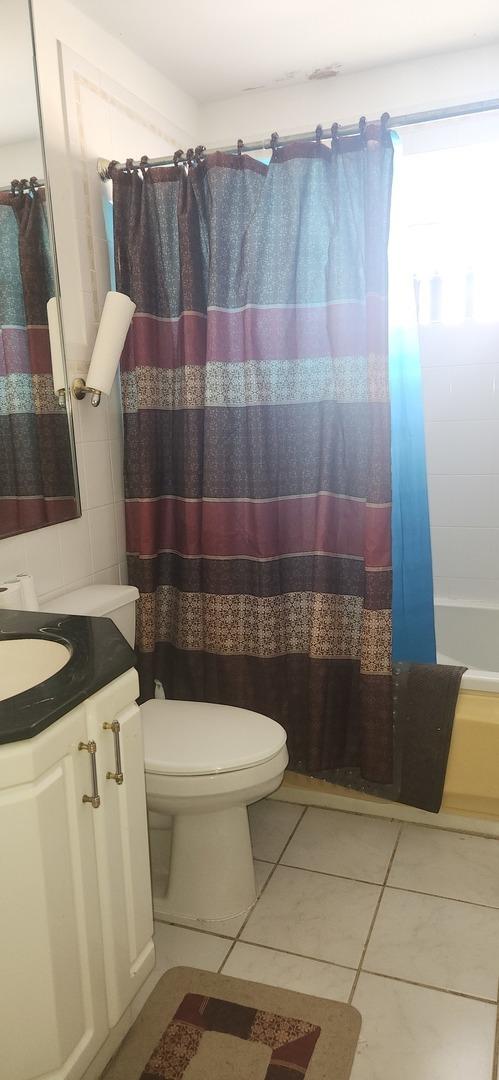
99,654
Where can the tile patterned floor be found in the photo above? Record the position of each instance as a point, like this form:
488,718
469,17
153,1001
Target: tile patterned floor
401,920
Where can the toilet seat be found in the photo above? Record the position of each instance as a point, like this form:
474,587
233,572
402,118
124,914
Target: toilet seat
192,738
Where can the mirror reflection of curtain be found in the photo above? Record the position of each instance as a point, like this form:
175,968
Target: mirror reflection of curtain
36,478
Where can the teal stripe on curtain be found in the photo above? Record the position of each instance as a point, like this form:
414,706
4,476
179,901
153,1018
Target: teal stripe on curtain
412,603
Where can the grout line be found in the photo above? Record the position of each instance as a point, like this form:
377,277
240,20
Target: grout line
395,888
373,920
299,956
272,872
440,896
189,926
430,986
329,873
495,1060
392,817
353,971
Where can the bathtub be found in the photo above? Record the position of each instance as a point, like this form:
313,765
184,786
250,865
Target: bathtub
469,634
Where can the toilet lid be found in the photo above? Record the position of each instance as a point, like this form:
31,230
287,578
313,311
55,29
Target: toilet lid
193,738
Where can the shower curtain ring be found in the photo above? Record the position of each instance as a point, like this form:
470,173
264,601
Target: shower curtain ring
199,152
362,127
178,157
385,130
274,141
319,134
334,136
240,147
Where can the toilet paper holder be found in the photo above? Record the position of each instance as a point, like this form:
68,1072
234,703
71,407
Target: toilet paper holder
80,388
111,336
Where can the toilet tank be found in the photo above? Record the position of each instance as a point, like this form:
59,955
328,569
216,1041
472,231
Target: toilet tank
117,602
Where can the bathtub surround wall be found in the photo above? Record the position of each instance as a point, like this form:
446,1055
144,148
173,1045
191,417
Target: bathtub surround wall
87,113
461,391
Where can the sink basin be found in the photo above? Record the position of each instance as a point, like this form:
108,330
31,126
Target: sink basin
25,662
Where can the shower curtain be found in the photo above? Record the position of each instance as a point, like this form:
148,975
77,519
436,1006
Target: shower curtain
257,438
36,475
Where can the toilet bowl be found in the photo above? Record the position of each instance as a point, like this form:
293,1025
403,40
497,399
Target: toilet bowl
204,764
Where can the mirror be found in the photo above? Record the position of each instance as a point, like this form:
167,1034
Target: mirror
38,484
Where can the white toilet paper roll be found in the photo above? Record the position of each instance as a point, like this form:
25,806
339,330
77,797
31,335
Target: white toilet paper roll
30,599
55,346
11,595
113,328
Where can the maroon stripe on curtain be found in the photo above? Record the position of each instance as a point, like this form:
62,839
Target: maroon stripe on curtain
257,333
261,530
23,515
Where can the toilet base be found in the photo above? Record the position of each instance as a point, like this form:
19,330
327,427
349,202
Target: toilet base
211,867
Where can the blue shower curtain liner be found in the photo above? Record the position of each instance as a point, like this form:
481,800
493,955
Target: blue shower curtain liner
413,611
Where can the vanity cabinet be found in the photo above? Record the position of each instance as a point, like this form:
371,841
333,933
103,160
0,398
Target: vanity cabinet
75,894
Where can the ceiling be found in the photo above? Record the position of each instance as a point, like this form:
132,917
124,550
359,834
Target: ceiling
218,48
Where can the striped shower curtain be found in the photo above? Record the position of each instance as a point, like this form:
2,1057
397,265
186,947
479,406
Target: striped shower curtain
257,438
36,473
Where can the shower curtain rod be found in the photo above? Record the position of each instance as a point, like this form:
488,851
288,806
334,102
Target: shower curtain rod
349,129
40,182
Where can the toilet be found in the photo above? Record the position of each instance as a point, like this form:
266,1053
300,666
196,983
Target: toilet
204,765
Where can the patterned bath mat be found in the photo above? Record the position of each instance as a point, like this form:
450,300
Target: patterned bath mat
199,1026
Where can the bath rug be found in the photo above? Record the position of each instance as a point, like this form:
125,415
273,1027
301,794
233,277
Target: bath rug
200,1026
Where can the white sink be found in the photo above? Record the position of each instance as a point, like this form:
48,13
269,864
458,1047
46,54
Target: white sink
25,662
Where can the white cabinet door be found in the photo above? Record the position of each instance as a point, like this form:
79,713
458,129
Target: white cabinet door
122,846
53,1015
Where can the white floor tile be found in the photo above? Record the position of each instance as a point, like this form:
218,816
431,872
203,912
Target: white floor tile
229,927
177,946
290,972
447,864
271,825
326,918
421,1034
350,845
442,943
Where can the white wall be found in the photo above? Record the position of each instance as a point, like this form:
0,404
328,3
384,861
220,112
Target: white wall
19,160
461,394
460,359
432,82
98,99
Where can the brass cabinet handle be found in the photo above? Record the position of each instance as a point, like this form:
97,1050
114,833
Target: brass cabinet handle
94,798
115,728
